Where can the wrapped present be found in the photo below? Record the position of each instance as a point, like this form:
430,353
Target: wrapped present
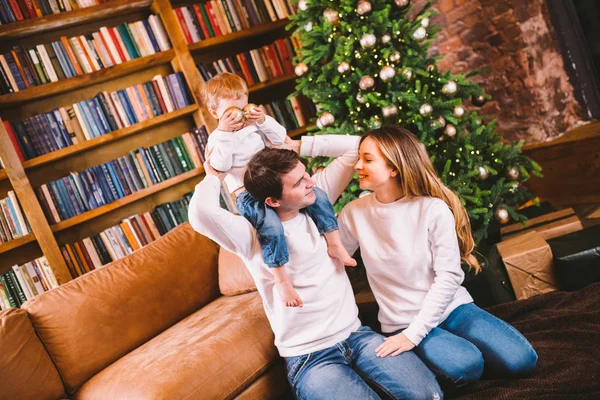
529,264
549,225
577,258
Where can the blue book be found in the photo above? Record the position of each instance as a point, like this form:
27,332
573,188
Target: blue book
63,60
90,178
8,13
103,183
72,186
124,179
54,131
95,117
98,110
66,198
175,95
77,207
56,197
114,177
80,186
62,127
13,214
127,107
182,88
14,71
94,124
42,129
151,36
109,182
86,118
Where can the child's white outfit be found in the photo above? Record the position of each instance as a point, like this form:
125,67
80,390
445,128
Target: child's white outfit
231,151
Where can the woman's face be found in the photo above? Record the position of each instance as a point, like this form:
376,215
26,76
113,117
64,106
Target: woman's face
373,170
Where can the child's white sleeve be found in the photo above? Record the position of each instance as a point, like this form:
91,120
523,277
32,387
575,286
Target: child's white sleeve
272,130
220,144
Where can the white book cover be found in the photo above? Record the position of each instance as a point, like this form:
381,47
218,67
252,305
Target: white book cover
11,79
90,52
108,246
22,283
87,242
35,278
47,271
111,45
79,53
17,207
79,115
190,24
159,32
51,204
164,92
29,280
146,37
103,51
136,35
120,110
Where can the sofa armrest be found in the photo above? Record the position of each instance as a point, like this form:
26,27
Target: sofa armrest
27,372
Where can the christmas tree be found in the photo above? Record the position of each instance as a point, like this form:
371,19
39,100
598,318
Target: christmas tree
365,64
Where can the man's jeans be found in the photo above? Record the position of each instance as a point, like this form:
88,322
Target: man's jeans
458,348
343,370
270,230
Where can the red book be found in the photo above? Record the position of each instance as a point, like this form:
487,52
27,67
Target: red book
288,66
242,60
14,6
14,140
30,8
200,19
114,62
161,102
113,36
184,27
276,61
213,19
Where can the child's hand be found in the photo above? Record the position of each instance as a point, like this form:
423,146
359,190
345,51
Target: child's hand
394,345
229,122
256,115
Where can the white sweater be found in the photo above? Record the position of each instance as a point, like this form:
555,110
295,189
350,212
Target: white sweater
329,314
231,151
411,255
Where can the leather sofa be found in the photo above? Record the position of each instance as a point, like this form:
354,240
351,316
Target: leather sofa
154,325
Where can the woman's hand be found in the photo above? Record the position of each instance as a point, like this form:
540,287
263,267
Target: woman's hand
394,345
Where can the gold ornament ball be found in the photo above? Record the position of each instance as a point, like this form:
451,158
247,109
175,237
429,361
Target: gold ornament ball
407,73
425,109
387,73
363,7
303,5
301,69
450,130
402,4
430,68
449,88
368,40
332,16
326,119
483,174
360,98
236,113
389,111
385,38
395,58
513,173
366,83
458,111
248,109
420,33
438,123
343,67
502,215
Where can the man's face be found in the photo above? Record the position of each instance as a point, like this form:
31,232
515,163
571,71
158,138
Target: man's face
297,189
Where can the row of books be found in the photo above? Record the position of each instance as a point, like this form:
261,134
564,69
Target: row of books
23,282
219,17
258,65
104,113
19,10
121,240
96,186
13,222
22,68
292,113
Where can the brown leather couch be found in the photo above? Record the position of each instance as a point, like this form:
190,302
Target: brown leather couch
153,325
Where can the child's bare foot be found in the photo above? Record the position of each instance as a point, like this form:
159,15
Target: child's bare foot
336,249
288,294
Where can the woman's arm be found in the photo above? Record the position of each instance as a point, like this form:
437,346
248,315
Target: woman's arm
347,229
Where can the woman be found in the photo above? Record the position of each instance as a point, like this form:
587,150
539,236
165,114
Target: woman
413,233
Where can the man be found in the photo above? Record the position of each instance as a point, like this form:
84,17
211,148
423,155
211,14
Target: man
328,353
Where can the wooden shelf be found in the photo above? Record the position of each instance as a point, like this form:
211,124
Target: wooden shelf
3,174
271,83
37,26
107,138
205,46
300,131
86,216
78,82
13,244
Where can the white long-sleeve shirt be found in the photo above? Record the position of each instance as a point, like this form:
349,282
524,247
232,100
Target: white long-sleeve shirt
411,255
231,151
329,314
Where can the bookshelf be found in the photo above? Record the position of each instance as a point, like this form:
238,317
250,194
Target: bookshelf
23,177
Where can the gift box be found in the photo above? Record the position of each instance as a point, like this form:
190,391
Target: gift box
529,264
549,225
577,258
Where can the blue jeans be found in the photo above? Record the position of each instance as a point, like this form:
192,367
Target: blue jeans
270,230
457,350
345,371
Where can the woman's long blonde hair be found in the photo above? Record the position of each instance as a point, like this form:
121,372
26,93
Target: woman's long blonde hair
417,177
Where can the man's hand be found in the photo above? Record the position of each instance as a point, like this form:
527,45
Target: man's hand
256,115
208,169
228,122
394,345
288,144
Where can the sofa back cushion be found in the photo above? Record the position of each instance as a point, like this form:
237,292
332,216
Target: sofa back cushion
234,277
94,320
26,370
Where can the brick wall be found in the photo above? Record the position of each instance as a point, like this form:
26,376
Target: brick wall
514,40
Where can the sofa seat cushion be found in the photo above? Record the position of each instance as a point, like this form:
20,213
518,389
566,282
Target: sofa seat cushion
213,354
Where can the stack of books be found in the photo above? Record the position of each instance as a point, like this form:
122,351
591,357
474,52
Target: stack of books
23,282
106,112
219,17
22,68
19,10
121,240
94,187
257,65
292,113
13,222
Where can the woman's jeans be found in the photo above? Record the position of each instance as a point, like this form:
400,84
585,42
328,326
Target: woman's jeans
345,370
457,350
270,230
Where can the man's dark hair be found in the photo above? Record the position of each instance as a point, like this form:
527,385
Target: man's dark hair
262,178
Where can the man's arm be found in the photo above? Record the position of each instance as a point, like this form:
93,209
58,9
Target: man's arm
337,175
231,232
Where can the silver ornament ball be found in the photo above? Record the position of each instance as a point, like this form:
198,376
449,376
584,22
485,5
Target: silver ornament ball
502,215
420,33
368,40
483,174
332,16
438,123
449,88
425,22
303,5
301,69
360,98
363,7
402,4
395,58
366,82
308,26
425,109
513,173
343,67
389,111
450,130
326,119
458,111
385,38
387,73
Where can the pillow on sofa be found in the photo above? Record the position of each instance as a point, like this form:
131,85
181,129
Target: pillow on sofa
234,278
